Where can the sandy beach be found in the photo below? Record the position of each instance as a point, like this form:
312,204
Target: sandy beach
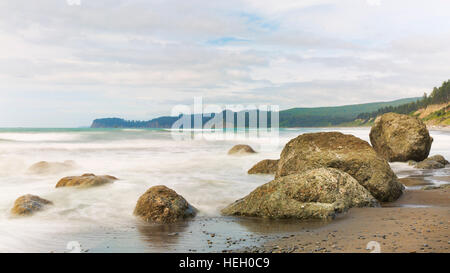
417,222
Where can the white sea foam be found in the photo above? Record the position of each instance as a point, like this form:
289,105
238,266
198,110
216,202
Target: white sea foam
198,169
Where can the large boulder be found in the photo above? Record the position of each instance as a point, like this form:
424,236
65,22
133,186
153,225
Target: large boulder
267,166
344,152
44,167
159,204
85,180
432,162
29,204
314,194
241,149
398,137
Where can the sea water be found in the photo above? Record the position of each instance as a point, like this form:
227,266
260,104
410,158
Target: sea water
101,218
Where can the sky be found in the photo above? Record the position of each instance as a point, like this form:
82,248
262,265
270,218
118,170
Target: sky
64,63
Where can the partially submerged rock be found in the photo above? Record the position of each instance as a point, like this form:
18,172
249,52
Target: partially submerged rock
85,180
439,158
29,204
313,194
398,137
267,166
159,204
433,162
44,167
344,152
241,149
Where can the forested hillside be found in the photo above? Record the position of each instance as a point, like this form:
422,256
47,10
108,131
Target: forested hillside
438,96
296,117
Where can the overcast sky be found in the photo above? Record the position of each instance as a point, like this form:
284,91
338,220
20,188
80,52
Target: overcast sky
64,64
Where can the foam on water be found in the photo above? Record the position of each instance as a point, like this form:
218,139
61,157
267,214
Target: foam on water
198,169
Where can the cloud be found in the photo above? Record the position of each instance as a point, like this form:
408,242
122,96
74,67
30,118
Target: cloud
64,65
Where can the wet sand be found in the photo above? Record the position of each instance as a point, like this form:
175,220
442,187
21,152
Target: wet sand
417,222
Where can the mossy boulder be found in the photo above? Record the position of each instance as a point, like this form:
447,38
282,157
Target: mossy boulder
267,166
314,194
28,204
346,153
400,138
85,181
159,204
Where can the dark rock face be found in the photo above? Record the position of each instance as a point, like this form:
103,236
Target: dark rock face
313,194
241,149
344,152
398,137
29,204
267,166
85,181
433,162
160,204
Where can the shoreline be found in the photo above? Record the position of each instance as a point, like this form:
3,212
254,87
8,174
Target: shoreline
418,222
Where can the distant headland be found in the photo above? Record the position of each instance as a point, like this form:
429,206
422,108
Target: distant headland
433,109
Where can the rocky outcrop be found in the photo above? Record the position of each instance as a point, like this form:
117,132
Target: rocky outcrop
267,166
159,204
313,194
433,162
241,149
44,167
85,181
344,152
29,204
398,137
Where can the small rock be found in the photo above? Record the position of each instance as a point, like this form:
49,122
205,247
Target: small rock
28,204
241,149
162,205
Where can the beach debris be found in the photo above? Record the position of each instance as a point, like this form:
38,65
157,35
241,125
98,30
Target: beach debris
86,180
241,149
159,204
314,194
29,204
267,166
398,137
345,152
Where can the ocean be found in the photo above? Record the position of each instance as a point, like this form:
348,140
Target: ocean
101,219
